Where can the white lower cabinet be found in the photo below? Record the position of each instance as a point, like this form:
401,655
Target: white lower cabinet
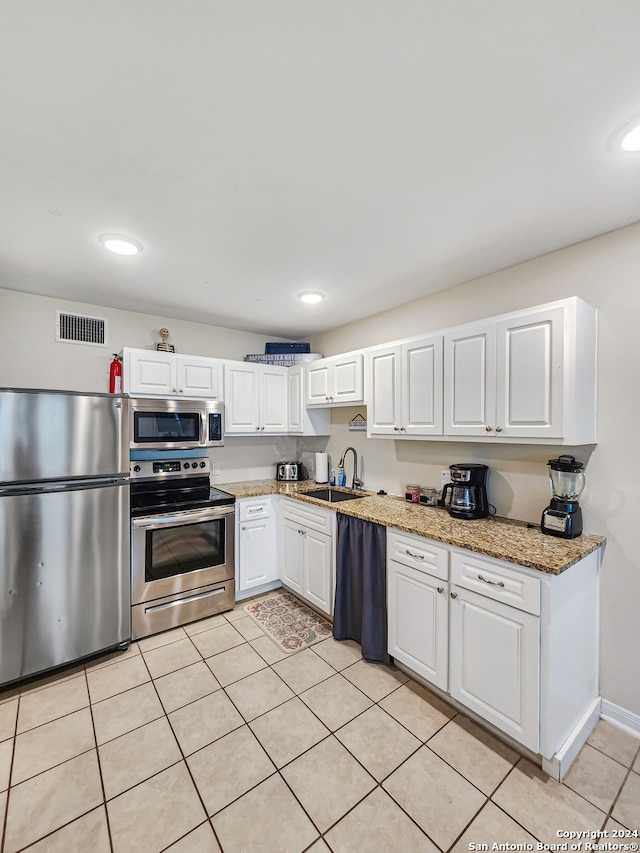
418,613
418,605
517,647
307,553
494,663
257,547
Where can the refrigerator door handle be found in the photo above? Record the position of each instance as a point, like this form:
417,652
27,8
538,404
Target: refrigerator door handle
44,488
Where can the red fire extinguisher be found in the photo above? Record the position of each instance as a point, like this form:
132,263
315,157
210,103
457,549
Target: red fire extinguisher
115,375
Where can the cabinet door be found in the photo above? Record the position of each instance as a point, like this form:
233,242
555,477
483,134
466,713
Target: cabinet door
530,361
292,556
295,400
495,663
418,622
422,387
318,384
241,398
470,380
348,379
150,372
318,570
383,396
273,399
301,421
257,555
198,377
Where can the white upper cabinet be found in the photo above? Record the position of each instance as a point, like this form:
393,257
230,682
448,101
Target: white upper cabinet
302,421
529,376
255,398
165,374
404,388
336,381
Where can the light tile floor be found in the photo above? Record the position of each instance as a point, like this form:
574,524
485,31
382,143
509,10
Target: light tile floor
208,738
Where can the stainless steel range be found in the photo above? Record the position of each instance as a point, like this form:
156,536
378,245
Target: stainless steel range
182,544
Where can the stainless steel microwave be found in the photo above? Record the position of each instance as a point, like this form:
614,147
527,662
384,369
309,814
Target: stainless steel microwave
163,424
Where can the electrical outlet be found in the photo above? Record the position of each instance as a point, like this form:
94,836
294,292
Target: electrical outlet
445,477
215,469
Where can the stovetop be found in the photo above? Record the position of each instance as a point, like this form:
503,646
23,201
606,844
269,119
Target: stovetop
149,498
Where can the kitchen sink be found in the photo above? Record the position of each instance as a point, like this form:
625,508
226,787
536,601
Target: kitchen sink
331,495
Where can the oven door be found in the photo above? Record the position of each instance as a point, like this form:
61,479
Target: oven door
181,551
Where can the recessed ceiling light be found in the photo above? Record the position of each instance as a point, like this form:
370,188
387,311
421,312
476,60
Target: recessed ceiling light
631,139
311,297
120,245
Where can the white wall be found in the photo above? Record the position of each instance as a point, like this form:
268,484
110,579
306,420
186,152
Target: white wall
605,272
31,358
34,359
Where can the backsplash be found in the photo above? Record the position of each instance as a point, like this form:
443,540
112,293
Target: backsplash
517,485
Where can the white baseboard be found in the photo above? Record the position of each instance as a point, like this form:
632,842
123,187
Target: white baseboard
257,590
621,717
559,764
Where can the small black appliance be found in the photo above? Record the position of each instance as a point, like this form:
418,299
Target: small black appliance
563,516
467,491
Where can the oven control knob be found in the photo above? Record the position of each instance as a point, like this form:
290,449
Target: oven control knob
136,468
186,465
194,464
203,464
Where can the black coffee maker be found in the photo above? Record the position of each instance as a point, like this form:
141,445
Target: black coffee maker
467,491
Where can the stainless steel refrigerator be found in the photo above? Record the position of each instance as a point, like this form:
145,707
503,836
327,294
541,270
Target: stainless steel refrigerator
65,589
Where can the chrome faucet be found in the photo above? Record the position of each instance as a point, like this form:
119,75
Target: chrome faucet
355,483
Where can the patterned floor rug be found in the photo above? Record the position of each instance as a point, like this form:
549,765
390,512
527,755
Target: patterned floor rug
290,624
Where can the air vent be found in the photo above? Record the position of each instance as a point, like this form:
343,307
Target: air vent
81,329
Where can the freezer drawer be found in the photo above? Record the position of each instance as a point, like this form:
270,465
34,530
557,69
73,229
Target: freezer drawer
64,575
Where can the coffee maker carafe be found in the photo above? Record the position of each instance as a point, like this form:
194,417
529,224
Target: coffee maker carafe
467,491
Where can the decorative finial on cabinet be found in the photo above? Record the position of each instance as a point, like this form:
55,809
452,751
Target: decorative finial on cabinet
164,346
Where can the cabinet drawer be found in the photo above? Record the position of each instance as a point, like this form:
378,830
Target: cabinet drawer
311,516
419,553
255,508
497,581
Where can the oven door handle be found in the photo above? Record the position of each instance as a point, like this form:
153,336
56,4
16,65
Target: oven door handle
187,517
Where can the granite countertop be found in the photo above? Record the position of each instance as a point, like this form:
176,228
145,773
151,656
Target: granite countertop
500,538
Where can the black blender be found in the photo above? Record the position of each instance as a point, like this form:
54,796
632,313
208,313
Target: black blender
563,516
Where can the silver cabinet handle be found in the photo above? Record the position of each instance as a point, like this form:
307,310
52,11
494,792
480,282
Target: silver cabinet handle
173,390
257,428
181,390
403,429
243,527
493,583
256,509
415,556
454,595
488,428
440,589
397,429
302,532
498,429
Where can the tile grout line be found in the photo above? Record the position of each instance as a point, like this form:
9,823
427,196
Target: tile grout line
95,740
5,820
185,762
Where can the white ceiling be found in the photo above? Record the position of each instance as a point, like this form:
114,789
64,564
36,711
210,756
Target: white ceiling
376,150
